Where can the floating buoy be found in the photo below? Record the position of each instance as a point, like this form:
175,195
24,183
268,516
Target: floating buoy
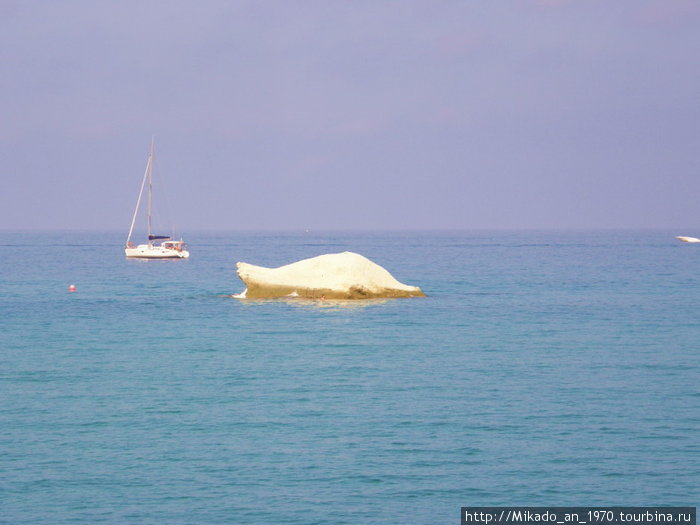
71,288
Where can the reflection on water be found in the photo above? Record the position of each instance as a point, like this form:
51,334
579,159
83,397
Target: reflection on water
302,302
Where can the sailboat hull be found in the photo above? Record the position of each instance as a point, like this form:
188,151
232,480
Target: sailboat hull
145,251
687,239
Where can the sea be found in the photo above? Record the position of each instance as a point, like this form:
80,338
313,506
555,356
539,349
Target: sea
543,368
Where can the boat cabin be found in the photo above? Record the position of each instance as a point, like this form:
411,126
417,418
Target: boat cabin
175,245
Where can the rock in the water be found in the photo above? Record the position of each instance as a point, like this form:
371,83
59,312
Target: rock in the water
344,275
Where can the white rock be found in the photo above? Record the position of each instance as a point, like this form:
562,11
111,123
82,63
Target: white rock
344,275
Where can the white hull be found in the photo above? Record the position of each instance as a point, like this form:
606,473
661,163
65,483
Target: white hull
146,251
687,239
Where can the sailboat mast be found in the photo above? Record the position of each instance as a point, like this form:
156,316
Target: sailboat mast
150,189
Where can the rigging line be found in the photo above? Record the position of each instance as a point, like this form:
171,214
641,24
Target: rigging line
138,202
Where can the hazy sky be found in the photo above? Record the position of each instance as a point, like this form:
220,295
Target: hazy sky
366,114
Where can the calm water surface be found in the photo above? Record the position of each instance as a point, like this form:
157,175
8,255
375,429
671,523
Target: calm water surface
543,368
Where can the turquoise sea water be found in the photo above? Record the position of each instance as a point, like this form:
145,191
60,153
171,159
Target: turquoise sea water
543,368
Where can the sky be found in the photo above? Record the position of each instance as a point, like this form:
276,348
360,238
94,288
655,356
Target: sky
352,115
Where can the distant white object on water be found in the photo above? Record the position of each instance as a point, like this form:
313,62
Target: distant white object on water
687,239
344,275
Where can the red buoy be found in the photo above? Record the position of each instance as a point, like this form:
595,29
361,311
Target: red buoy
71,288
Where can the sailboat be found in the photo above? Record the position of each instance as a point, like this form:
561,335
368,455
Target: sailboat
157,246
